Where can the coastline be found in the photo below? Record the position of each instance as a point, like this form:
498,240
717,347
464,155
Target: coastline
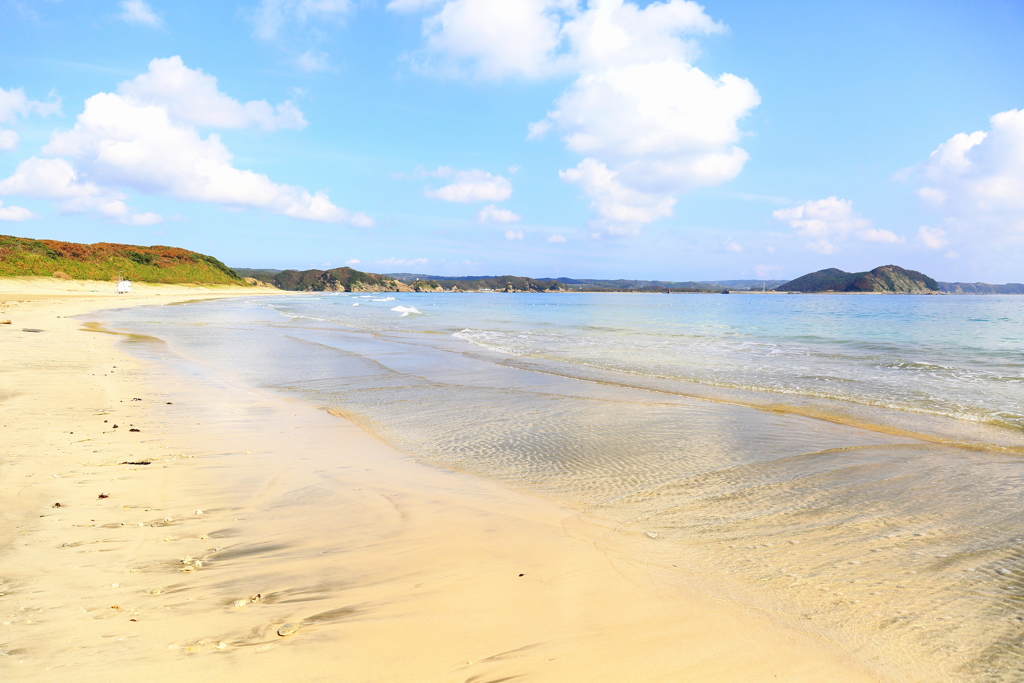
393,570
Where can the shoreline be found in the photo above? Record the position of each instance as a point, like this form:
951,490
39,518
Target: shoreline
392,569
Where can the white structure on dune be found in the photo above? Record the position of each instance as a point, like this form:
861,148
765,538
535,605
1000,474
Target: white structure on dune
123,286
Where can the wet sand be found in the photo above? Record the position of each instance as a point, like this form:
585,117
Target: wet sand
256,512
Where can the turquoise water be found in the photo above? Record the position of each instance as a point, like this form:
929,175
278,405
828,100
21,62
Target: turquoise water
853,465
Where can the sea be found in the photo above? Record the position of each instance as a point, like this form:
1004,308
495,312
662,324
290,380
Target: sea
850,465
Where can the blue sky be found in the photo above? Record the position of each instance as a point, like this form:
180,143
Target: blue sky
536,137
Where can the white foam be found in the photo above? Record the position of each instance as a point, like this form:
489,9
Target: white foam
388,298
406,310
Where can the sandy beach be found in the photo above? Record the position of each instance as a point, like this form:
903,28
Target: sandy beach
160,524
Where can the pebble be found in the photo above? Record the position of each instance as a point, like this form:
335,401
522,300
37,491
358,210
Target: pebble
652,534
115,585
1004,571
287,629
199,512
240,603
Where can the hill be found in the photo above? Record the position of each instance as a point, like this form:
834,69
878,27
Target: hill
980,288
333,280
105,261
479,282
884,279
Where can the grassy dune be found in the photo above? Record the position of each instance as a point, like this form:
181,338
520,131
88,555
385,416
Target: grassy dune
105,261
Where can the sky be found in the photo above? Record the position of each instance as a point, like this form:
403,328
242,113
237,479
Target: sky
547,138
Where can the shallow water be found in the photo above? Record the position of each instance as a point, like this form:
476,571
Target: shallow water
852,464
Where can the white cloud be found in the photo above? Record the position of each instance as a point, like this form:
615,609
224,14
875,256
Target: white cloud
57,179
513,235
977,180
493,214
933,238
15,213
8,139
879,235
620,209
14,103
402,262
470,186
353,262
638,108
361,220
191,96
148,218
766,272
271,15
138,12
732,246
827,221
310,61
493,39
556,239
145,140
411,5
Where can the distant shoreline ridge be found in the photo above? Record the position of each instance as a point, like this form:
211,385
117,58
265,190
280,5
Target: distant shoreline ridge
25,257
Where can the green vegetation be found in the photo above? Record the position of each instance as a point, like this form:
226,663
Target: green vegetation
333,280
504,283
888,279
21,257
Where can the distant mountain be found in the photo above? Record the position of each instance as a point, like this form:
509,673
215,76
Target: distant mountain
106,261
593,285
885,279
980,288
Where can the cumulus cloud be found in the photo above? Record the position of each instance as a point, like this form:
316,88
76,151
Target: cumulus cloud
353,262
733,246
493,214
933,238
470,186
826,221
146,140
15,213
14,104
620,209
513,235
191,96
556,239
637,108
272,15
138,12
976,180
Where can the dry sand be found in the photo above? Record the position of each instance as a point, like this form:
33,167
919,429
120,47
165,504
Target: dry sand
257,512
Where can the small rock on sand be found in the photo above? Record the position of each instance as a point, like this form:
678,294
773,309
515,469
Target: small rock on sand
287,629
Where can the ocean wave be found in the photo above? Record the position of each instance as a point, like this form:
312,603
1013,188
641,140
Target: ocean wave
406,310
